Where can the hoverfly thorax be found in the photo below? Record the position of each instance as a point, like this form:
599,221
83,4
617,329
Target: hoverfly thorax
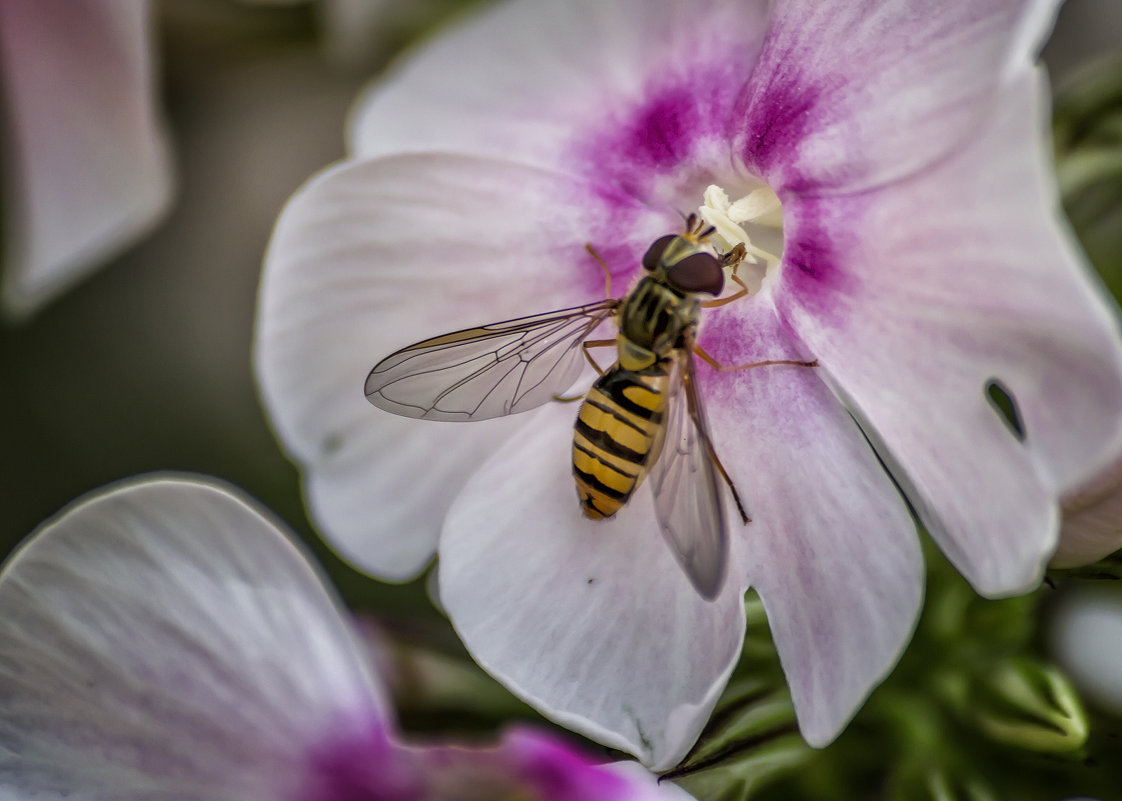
662,310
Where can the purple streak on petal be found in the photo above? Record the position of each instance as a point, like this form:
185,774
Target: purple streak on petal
361,762
661,132
774,122
817,238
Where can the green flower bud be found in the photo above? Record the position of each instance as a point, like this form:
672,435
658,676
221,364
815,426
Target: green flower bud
1030,705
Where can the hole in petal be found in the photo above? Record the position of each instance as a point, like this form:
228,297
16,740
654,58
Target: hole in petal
1005,405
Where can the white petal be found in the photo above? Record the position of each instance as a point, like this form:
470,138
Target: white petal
594,623
88,160
644,785
523,80
373,256
1092,521
164,640
916,296
847,96
831,548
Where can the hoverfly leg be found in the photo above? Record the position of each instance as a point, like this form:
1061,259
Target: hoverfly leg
607,272
728,480
724,368
588,344
712,304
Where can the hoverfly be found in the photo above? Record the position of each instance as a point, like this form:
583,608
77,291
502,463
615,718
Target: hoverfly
643,416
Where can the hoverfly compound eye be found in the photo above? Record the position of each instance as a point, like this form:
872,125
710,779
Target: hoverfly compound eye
700,272
654,253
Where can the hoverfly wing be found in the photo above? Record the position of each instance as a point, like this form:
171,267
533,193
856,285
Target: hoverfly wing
490,371
684,480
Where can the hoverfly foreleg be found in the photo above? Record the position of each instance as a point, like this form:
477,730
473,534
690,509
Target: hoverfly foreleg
586,346
724,368
607,274
712,304
731,259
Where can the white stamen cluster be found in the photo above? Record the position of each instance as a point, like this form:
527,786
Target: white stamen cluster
761,206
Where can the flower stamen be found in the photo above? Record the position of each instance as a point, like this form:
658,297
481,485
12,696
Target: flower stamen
759,207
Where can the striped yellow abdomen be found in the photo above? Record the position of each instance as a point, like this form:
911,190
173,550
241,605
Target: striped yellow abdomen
618,431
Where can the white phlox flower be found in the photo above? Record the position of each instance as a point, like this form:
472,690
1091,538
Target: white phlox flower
888,165
163,639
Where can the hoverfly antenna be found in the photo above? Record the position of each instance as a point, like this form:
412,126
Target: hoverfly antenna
708,232
691,223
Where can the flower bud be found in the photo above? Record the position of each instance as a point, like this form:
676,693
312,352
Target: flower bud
1031,705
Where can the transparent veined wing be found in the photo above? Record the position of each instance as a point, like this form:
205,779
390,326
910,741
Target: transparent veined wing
490,371
684,479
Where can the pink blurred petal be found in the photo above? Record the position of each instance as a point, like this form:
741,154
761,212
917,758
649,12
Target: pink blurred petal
88,164
916,296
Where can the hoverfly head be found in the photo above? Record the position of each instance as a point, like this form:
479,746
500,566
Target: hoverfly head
685,262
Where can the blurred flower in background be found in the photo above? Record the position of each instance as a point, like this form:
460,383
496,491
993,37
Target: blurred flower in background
87,163
163,639
924,265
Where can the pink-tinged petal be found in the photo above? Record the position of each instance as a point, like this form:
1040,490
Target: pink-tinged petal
847,96
88,163
373,256
1092,520
553,770
594,623
525,764
831,549
917,296
610,88
163,639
